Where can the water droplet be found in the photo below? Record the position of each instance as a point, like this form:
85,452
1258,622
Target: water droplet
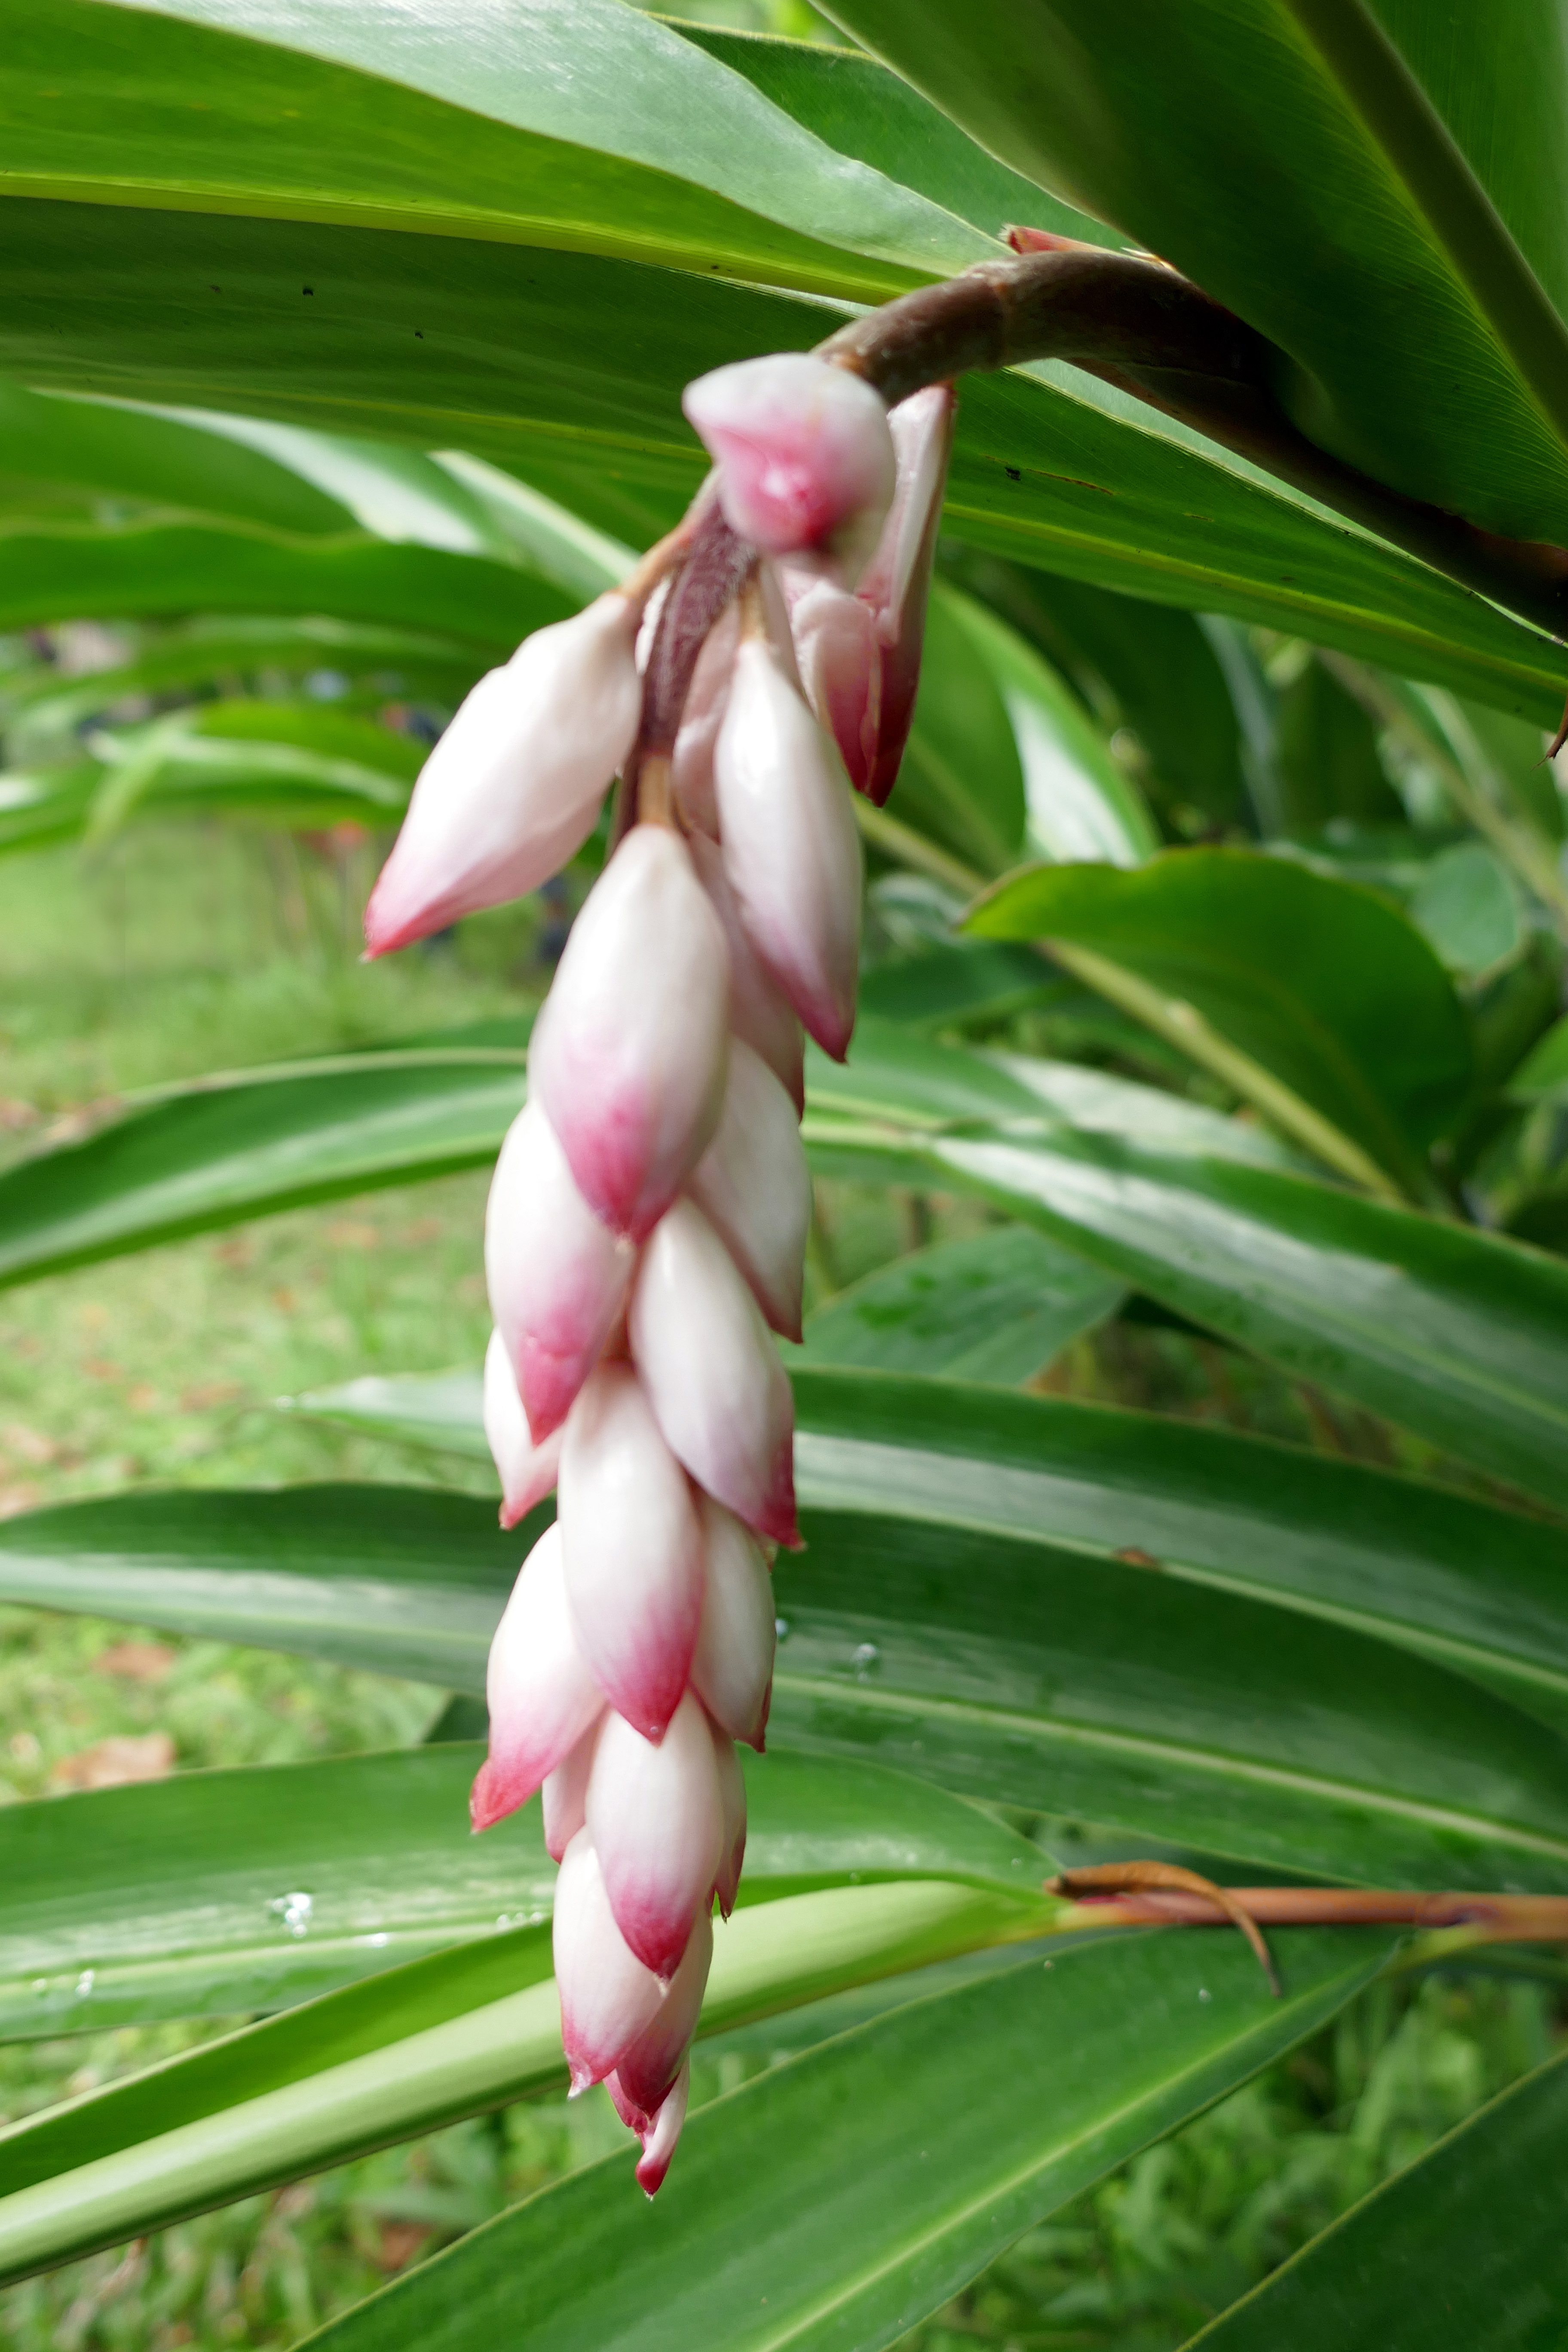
864,1659
1204,1993
1017,1862
373,1942
41,1984
84,1983
1050,1964
294,1910
781,1628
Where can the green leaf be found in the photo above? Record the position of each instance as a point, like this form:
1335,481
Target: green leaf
417,2048
1322,982
1544,1072
1080,804
1467,2242
148,569
959,981
988,1661
558,357
1332,172
997,1308
1458,1336
213,1893
1477,1588
848,2193
1469,910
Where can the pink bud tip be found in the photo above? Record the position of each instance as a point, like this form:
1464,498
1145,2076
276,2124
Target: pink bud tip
512,788
528,1472
660,2142
805,457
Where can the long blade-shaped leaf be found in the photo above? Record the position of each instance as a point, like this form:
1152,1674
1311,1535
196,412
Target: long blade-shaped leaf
446,2038
1458,1336
851,2191
218,1892
989,1663
1466,2246
1303,160
1482,1589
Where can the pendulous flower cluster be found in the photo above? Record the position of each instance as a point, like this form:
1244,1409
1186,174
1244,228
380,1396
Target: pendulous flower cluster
646,1223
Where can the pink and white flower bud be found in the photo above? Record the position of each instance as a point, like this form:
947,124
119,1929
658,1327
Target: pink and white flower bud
656,1819
712,1375
646,2073
753,1186
805,455
557,1275
761,1015
700,718
859,655
840,660
632,1545
528,1472
732,1666
732,1792
565,1793
607,1997
542,1697
659,2145
512,788
792,849
629,1055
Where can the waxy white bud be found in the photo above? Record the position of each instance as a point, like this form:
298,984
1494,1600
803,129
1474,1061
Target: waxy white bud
607,1997
656,1818
805,457
791,849
753,1186
712,1374
541,1695
513,788
629,1055
733,1667
557,1275
528,1472
632,1545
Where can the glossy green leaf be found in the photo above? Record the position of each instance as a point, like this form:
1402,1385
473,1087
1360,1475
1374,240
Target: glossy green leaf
1134,664
213,1893
1479,1589
199,652
145,570
1324,983
1457,1335
846,2194
565,365
459,2034
1546,1070
1469,910
1465,2246
1079,802
958,982
1303,161
997,1309
987,1662
236,1148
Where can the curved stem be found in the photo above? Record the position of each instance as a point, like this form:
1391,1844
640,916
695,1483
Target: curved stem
1139,325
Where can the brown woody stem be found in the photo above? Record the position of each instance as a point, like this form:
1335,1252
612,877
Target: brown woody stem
1139,325
1158,1895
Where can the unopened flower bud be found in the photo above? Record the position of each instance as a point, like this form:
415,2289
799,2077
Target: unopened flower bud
712,1374
512,788
565,1792
627,1056
646,2073
700,718
733,1795
805,455
632,1545
792,849
732,1666
607,1997
528,1472
753,1186
657,1822
557,1275
897,582
659,2145
761,1015
541,1695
